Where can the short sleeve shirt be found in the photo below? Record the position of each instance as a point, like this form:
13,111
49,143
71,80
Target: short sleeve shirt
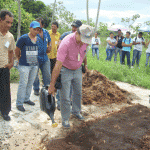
127,41
29,51
7,43
65,34
148,50
112,41
70,53
94,41
42,55
138,46
54,41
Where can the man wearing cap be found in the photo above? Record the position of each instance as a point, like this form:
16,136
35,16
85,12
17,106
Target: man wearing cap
75,25
119,38
71,54
43,60
7,47
27,55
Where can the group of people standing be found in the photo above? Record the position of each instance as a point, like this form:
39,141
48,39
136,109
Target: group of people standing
53,55
123,45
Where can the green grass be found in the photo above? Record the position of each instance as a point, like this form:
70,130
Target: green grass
113,71
116,71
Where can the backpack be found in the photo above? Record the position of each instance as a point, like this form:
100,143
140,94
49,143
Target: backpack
119,41
129,42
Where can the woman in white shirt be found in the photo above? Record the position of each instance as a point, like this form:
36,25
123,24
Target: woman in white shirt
147,44
111,45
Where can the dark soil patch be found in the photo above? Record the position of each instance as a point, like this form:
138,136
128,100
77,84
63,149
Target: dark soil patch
98,88
126,129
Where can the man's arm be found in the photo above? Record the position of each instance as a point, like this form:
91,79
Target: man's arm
126,45
48,47
10,59
111,44
17,53
55,74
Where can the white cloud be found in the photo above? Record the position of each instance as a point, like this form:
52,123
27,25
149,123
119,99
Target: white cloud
114,14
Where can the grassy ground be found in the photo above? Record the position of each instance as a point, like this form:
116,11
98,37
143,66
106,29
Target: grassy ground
115,71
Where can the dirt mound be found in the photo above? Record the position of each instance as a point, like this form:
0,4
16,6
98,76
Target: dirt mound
125,129
99,89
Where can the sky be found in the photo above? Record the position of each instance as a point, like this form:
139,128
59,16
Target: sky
111,11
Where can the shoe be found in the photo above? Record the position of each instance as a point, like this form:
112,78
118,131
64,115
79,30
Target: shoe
132,67
29,102
66,124
6,117
21,108
36,92
79,116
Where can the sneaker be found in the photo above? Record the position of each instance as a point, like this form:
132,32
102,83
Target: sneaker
6,117
79,116
29,103
132,67
66,124
36,92
21,108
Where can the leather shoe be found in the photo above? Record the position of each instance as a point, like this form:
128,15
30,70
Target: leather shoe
21,108
6,117
29,103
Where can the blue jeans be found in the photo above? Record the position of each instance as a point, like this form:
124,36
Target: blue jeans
127,53
106,54
137,56
45,69
27,77
147,59
116,53
74,78
95,50
58,96
110,53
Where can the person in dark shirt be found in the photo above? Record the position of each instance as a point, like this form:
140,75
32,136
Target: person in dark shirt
119,46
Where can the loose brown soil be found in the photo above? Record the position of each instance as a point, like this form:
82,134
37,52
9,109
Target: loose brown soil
126,129
99,89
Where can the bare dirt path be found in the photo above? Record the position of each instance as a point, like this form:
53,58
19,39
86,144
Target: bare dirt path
26,130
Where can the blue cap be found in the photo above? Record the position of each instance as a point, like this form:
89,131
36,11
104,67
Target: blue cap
35,24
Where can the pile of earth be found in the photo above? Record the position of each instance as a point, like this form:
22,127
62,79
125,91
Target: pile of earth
126,129
97,88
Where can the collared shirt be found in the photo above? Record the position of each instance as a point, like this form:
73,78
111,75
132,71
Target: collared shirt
127,41
55,39
70,53
7,43
42,56
65,34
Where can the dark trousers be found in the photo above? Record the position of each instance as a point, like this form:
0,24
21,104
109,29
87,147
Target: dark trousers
127,53
53,62
5,98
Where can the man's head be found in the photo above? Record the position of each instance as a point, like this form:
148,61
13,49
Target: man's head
111,34
128,34
6,20
41,21
119,32
54,26
85,34
96,34
34,28
75,25
140,34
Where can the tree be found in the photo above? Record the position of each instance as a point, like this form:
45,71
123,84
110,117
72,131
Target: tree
128,22
19,19
53,11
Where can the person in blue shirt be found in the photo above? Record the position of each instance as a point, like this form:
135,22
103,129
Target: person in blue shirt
27,54
43,61
126,43
75,25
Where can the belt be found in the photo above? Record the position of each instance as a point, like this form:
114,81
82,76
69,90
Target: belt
69,69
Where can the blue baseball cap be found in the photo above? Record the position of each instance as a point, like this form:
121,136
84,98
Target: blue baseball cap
35,24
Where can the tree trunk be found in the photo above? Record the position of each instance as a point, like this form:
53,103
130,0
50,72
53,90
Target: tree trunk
19,20
97,15
53,11
87,11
